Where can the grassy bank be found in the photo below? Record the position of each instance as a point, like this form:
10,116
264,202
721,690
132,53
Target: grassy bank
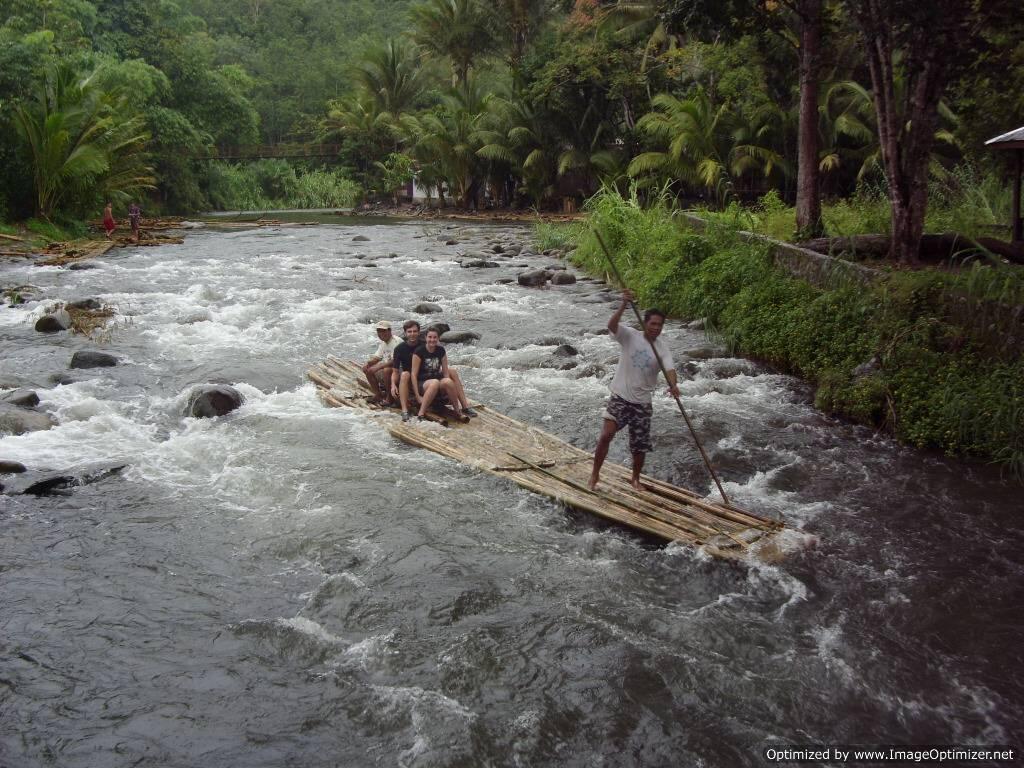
963,200
934,368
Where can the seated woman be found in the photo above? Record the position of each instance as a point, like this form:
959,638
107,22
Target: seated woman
430,375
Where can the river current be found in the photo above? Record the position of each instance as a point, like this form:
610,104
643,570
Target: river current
289,585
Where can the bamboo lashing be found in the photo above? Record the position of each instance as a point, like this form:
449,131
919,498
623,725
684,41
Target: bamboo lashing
664,372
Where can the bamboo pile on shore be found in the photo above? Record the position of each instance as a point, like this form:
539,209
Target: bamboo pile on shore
540,462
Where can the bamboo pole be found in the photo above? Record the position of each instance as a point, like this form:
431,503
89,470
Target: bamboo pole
661,364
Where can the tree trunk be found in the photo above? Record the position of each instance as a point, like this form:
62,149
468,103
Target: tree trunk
808,194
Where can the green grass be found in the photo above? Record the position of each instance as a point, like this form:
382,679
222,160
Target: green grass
57,231
8,229
946,378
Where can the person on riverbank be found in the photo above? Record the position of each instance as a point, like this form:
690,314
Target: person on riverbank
632,386
378,368
109,225
135,218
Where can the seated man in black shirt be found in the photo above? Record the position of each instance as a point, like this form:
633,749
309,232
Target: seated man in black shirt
402,373
432,376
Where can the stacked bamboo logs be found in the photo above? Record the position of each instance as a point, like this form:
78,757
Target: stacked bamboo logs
542,463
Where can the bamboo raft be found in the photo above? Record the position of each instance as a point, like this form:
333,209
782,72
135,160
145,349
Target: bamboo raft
533,459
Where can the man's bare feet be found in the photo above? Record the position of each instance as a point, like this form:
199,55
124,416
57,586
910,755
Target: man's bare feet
636,485
592,484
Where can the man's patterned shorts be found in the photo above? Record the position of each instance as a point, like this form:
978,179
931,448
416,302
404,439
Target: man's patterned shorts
636,416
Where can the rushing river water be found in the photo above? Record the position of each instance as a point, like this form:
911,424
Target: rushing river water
289,585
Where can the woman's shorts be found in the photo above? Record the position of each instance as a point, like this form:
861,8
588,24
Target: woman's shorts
636,416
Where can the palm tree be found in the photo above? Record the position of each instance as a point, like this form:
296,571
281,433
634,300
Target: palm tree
82,141
390,73
369,132
457,30
447,139
705,145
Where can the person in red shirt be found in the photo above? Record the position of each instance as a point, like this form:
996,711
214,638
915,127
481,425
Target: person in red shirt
109,225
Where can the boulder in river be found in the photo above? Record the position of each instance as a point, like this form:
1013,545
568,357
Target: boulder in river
426,308
478,264
498,248
26,398
563,278
534,278
504,280
209,400
11,467
92,359
81,265
360,239
460,337
451,242
54,322
18,421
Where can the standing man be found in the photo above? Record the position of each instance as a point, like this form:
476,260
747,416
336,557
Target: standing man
109,225
632,386
378,368
135,218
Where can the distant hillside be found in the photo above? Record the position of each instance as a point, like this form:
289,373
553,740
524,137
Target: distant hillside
296,51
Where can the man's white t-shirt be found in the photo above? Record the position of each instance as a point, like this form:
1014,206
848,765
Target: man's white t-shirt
386,349
637,373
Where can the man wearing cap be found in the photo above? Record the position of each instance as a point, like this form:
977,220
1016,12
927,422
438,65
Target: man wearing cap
378,368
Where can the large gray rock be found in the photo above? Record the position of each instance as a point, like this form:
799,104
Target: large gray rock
498,248
360,239
534,278
563,278
459,337
81,265
54,322
478,264
18,421
209,400
93,359
426,308
26,398
504,280
11,467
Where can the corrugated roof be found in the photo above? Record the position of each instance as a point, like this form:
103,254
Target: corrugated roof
1012,136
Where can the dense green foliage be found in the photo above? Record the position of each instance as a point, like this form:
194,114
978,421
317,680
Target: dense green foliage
943,377
521,102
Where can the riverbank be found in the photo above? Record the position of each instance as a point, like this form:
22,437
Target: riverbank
932,357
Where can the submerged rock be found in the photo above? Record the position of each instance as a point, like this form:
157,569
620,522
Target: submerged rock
59,483
563,278
426,308
17,421
85,304
92,359
23,397
360,239
479,264
459,337
210,400
565,350
11,467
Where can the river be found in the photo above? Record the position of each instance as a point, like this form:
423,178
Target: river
289,585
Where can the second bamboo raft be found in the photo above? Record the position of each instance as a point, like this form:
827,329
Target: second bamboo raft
533,459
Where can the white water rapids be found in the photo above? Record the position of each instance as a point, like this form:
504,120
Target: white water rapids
288,585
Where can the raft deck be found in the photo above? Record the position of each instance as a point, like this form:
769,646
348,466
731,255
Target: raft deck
542,463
